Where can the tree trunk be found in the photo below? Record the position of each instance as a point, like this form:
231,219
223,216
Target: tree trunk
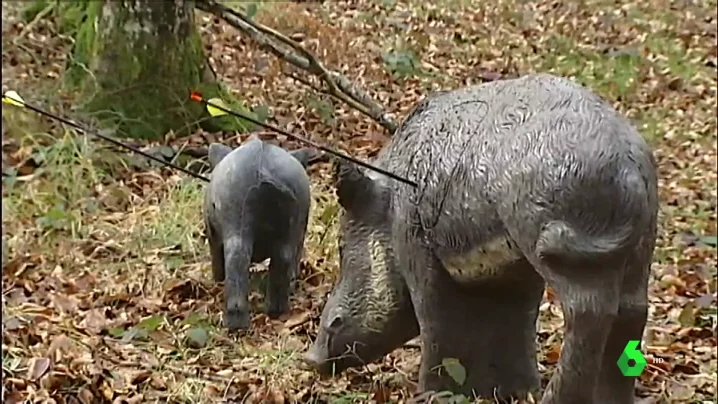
137,62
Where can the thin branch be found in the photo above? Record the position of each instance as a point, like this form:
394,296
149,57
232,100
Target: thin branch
308,83
271,40
312,64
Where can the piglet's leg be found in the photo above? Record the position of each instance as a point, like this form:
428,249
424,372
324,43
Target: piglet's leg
238,252
490,328
216,251
282,267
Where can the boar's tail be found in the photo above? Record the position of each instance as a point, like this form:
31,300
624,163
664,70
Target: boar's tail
560,243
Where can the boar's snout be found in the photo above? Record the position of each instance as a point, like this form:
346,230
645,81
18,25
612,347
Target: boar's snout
313,358
317,358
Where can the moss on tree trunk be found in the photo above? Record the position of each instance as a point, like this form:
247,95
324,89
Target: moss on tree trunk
136,62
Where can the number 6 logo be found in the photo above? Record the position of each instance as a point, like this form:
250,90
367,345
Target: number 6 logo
631,361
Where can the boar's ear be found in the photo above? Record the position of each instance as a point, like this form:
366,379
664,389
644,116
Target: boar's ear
353,187
304,155
217,152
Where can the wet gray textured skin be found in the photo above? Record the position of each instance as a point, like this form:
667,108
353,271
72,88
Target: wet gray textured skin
256,207
522,183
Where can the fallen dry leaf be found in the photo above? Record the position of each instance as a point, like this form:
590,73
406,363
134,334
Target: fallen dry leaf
37,368
85,395
297,319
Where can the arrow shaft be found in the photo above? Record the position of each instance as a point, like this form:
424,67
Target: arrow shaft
307,141
226,110
111,140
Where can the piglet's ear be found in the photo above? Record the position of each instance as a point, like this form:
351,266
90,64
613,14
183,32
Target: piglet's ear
217,152
354,189
304,155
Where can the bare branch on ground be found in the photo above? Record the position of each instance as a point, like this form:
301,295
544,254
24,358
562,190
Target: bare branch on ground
292,52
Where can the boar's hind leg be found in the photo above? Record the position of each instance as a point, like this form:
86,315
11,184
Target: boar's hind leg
238,253
613,386
490,328
282,267
590,302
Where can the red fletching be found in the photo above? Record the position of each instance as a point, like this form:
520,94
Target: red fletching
195,96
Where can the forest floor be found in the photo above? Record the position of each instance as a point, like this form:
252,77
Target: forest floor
107,289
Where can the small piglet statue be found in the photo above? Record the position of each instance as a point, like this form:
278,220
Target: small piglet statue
256,207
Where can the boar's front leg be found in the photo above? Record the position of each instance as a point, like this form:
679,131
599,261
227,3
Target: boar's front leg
489,328
238,253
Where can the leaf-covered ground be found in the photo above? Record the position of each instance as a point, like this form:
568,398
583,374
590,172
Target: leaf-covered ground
107,292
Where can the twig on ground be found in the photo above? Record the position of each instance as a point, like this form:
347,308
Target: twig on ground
39,16
269,40
307,83
198,374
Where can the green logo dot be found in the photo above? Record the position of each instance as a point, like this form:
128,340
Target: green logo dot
631,361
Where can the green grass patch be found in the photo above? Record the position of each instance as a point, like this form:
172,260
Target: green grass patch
60,200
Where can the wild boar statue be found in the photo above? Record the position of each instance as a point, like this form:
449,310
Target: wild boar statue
521,183
256,207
